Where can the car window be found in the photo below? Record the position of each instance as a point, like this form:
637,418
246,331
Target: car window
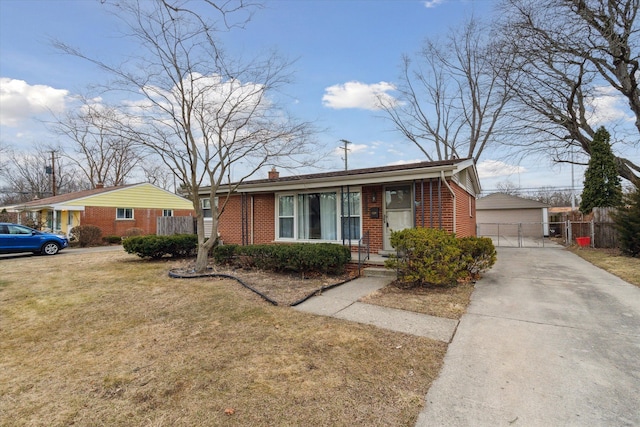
17,229
4,229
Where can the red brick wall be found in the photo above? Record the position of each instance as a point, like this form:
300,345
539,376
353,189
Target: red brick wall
105,219
375,226
264,218
230,224
465,212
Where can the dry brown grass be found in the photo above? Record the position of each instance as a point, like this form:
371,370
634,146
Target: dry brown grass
449,302
106,339
626,268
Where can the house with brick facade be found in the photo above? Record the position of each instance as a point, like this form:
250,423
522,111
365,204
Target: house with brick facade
113,209
359,206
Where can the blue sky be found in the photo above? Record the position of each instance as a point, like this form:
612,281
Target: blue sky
345,51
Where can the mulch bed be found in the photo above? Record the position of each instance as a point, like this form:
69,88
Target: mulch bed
278,288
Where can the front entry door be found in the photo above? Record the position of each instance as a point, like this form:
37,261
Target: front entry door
398,213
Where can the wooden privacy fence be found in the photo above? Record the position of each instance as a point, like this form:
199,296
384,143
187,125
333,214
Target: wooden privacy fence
170,225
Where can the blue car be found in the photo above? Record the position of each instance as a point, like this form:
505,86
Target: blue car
18,238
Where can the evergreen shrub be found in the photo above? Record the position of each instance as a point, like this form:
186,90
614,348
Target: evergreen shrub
298,257
155,247
627,222
427,256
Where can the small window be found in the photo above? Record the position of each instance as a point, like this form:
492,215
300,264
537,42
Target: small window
206,206
124,213
167,212
285,217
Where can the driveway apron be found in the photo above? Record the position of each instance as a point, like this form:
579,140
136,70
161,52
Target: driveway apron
548,340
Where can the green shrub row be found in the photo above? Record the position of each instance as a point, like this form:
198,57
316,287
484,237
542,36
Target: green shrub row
427,256
152,246
299,257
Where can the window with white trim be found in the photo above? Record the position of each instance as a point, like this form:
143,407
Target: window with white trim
327,215
124,213
351,216
167,212
206,206
285,217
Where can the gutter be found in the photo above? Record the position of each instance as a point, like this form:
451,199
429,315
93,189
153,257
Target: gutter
453,194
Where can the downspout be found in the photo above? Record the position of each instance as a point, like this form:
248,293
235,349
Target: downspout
454,199
251,222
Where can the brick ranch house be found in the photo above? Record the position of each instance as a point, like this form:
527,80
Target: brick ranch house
113,209
348,207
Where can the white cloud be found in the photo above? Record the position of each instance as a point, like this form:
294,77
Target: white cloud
353,148
356,94
432,3
493,168
19,101
609,106
406,162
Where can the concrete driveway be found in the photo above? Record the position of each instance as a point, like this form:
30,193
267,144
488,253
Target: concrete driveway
548,340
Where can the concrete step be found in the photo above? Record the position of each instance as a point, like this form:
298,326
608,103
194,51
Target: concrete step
378,272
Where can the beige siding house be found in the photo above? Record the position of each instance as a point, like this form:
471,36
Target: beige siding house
113,209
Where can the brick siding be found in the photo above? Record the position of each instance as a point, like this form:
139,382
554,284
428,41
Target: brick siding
145,219
263,231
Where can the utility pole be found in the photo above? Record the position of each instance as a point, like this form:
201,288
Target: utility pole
53,172
346,150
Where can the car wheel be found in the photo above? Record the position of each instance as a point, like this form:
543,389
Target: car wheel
50,248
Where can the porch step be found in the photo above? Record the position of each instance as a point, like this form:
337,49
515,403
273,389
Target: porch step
378,272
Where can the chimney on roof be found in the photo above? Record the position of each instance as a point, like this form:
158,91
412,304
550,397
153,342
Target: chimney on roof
99,185
273,174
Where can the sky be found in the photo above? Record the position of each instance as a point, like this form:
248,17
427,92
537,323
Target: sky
346,53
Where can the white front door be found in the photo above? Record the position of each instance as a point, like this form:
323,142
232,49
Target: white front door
398,213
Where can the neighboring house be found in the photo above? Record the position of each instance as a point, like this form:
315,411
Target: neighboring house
344,207
112,209
513,213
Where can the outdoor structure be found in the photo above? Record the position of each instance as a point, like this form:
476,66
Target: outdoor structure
113,209
515,216
360,206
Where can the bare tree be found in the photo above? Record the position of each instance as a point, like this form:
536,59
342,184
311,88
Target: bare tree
206,116
451,99
100,149
30,175
570,54
157,173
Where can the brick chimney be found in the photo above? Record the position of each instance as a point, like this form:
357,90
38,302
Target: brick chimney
99,185
273,174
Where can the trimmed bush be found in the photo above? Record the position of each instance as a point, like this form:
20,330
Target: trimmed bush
87,235
299,257
133,231
478,255
426,256
112,239
155,247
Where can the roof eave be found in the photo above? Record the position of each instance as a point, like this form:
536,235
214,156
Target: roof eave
344,180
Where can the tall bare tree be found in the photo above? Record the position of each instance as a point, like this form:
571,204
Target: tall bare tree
570,54
451,100
99,147
207,116
30,175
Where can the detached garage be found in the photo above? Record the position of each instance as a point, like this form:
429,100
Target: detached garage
503,214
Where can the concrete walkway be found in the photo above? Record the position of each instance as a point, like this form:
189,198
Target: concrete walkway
548,340
342,302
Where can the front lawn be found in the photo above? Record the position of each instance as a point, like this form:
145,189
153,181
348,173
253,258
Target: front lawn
109,339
